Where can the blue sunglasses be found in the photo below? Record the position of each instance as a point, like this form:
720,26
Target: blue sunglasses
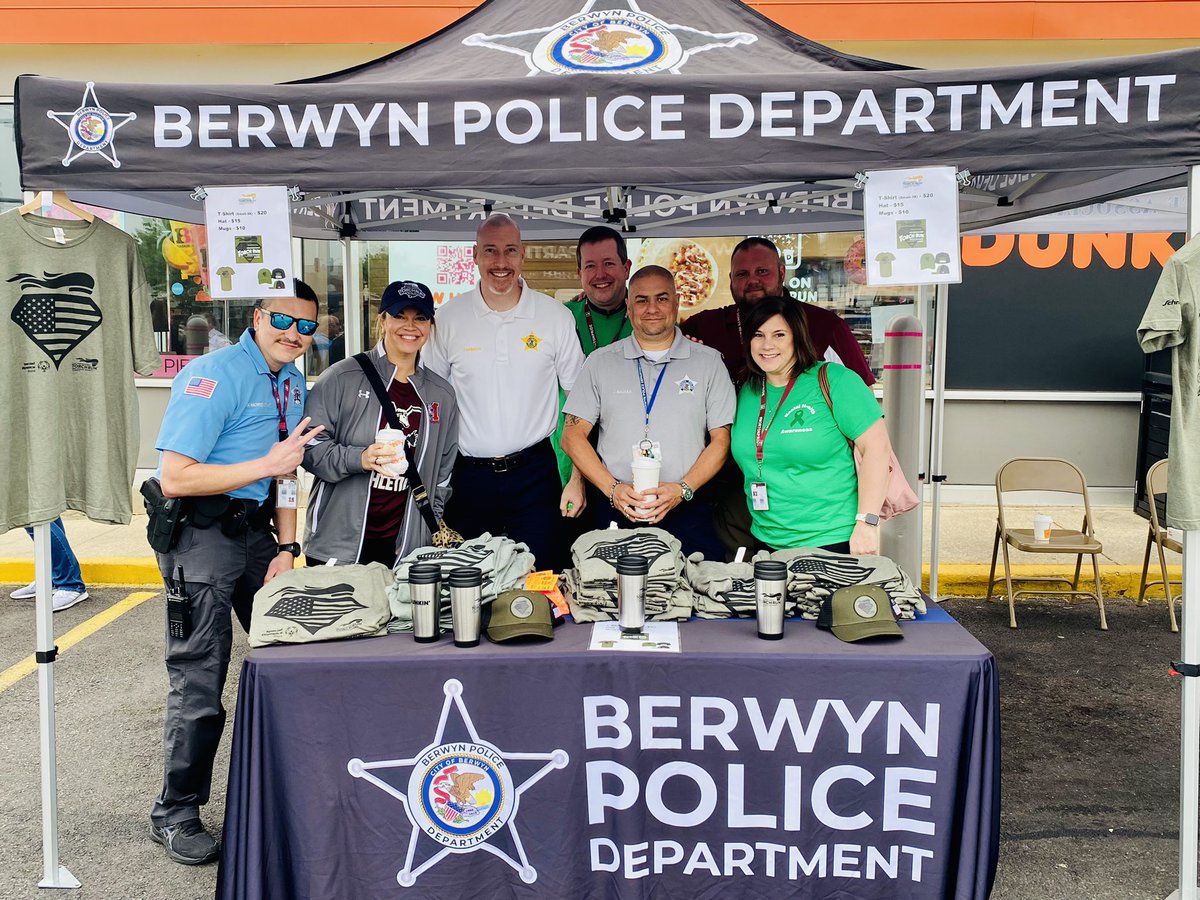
283,322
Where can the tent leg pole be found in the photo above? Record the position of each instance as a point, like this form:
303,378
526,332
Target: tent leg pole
1189,755
937,434
1189,636
54,875
357,338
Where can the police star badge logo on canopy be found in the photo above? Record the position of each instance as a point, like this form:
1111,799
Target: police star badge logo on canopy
461,793
616,38
91,128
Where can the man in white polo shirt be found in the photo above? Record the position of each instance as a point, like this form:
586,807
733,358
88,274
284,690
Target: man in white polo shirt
654,393
505,350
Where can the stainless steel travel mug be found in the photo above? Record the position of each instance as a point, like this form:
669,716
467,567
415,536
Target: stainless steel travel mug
770,594
465,584
631,592
424,581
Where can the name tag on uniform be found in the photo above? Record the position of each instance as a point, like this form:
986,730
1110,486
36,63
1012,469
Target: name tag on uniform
287,492
758,496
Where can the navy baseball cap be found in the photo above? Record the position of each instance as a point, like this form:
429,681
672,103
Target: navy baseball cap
401,295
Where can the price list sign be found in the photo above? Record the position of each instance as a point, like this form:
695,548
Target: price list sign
249,241
910,221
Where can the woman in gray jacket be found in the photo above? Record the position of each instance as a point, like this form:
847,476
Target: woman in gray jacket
361,508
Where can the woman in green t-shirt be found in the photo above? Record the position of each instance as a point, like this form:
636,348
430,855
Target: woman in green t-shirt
792,448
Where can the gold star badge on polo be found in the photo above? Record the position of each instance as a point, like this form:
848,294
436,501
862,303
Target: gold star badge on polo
531,341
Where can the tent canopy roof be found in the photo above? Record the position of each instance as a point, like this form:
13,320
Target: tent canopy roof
566,113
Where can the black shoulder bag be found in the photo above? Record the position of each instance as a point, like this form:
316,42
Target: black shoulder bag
442,534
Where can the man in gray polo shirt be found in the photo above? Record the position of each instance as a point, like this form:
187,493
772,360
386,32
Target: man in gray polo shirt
654,392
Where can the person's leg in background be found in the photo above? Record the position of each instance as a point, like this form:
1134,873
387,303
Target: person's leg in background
731,514
474,506
691,523
66,576
532,493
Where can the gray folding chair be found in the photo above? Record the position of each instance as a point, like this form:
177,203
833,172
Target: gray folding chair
1158,536
1045,474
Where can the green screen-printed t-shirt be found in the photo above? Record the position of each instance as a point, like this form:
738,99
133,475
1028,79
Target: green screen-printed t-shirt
226,275
1170,321
807,465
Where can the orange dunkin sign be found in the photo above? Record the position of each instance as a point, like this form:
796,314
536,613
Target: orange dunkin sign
1044,251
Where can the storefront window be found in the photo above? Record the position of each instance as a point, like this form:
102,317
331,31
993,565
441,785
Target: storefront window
323,272
188,322
823,269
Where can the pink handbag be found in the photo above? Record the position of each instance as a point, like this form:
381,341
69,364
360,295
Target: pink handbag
899,497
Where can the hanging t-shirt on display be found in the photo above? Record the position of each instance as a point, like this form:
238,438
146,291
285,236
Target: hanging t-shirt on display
75,323
1170,321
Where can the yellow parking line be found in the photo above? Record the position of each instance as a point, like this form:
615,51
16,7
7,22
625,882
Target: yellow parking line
28,665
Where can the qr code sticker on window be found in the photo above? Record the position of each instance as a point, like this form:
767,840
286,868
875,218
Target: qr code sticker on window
455,266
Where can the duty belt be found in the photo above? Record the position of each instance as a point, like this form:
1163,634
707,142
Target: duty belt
235,515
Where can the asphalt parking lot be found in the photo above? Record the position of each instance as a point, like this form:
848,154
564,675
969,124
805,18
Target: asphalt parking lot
111,688
1090,738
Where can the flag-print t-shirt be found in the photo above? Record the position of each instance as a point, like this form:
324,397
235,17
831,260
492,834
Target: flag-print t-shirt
389,496
75,324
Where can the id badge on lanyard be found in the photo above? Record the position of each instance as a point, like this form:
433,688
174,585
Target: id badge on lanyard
287,487
758,496
646,447
758,489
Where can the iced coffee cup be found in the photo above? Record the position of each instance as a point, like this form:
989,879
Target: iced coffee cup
394,439
645,474
1041,529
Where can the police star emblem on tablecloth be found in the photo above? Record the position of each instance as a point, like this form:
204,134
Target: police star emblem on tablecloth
461,792
608,37
91,128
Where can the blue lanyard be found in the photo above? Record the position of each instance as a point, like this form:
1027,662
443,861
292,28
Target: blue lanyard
649,403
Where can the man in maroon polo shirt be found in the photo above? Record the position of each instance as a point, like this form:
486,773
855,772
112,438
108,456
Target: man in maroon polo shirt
757,271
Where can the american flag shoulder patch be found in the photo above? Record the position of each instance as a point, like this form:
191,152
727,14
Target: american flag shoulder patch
200,387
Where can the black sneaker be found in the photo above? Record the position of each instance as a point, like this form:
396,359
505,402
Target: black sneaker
188,842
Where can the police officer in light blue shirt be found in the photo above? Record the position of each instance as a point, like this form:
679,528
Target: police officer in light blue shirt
231,439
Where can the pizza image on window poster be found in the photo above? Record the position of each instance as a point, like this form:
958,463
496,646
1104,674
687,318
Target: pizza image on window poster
854,264
693,266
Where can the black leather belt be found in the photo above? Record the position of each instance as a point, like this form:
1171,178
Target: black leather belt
506,463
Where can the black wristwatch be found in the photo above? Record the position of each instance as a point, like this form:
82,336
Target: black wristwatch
292,548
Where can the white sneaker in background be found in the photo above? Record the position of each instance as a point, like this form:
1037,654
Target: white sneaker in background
25,593
67,599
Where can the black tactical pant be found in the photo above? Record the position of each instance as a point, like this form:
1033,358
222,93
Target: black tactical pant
222,574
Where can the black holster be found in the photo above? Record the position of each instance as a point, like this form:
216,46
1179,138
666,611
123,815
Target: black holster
167,516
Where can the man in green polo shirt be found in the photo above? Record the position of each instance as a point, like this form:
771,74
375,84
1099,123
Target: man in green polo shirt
600,315
599,311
